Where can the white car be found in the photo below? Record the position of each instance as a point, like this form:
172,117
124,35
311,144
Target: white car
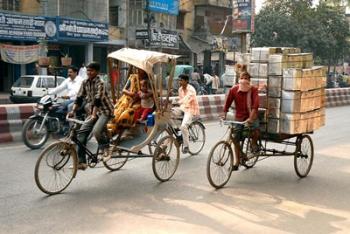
30,88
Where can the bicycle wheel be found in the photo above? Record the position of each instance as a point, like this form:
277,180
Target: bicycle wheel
196,137
55,168
166,158
246,149
117,161
304,156
219,164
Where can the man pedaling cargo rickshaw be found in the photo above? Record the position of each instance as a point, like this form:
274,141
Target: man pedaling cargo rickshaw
246,100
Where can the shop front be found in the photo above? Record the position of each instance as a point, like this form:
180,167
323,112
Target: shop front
63,39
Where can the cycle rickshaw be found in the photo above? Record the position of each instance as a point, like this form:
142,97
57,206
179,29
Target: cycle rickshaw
57,165
221,157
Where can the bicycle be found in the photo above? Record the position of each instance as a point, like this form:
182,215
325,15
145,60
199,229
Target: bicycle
220,161
197,136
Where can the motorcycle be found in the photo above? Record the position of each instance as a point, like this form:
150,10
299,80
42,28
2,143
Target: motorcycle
45,121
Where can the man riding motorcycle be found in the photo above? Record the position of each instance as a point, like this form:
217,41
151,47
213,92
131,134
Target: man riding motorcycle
72,85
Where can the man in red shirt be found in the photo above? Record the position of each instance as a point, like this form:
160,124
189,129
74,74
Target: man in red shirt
246,100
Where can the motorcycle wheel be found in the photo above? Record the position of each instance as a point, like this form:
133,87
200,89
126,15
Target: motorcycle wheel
31,136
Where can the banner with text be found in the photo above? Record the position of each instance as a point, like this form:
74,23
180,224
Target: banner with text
164,6
243,16
72,29
26,28
19,54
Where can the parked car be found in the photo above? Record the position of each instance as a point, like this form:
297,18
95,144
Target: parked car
30,88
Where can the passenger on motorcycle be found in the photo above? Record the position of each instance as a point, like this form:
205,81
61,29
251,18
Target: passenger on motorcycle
72,85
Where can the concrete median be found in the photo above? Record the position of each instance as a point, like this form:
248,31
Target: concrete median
13,116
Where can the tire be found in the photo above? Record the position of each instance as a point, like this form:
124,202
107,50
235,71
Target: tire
196,137
116,163
28,132
55,160
221,158
166,158
304,156
246,149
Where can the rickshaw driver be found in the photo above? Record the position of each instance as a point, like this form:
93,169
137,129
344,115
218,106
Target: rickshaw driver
93,91
188,106
246,100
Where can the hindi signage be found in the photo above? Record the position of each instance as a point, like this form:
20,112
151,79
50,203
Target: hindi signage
26,27
72,29
161,38
243,16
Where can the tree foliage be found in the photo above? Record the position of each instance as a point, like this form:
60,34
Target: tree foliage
322,30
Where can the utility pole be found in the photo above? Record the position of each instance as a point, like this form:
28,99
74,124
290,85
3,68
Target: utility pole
148,23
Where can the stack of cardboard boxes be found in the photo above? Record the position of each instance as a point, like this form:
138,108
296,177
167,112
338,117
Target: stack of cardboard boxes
294,89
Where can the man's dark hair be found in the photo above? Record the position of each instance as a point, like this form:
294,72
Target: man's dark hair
94,65
184,77
74,68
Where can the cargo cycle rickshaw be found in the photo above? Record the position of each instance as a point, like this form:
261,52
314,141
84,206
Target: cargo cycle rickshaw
57,165
221,157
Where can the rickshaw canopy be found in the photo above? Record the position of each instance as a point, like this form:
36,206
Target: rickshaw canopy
144,59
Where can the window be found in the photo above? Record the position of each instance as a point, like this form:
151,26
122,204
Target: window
24,82
180,24
9,5
47,82
114,15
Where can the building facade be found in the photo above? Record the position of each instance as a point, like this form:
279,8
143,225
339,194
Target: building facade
79,30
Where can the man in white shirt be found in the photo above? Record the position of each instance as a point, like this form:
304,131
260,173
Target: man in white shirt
71,85
208,82
188,107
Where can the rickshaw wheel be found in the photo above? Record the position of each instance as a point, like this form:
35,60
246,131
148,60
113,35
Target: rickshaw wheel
196,137
166,158
246,149
304,156
219,164
55,168
117,161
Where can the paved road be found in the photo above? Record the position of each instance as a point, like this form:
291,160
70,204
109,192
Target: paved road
268,198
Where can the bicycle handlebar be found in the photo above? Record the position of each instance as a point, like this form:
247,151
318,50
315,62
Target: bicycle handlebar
74,120
231,122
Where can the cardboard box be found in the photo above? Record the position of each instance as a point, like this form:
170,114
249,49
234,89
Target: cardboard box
258,70
274,108
261,54
273,125
293,123
260,83
274,86
297,101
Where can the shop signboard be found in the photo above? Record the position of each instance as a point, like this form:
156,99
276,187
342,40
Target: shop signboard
160,38
81,30
170,7
243,16
27,28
